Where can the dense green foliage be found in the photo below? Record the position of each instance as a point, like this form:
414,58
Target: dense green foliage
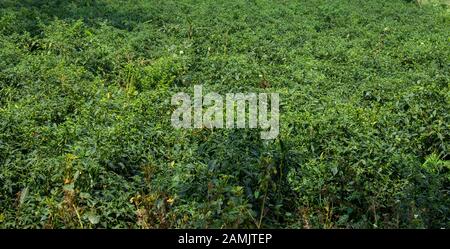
86,139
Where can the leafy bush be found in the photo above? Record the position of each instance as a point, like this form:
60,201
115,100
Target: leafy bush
86,139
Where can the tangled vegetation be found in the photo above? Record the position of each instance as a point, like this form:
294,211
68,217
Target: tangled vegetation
86,139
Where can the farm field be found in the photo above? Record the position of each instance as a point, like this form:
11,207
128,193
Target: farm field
86,139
